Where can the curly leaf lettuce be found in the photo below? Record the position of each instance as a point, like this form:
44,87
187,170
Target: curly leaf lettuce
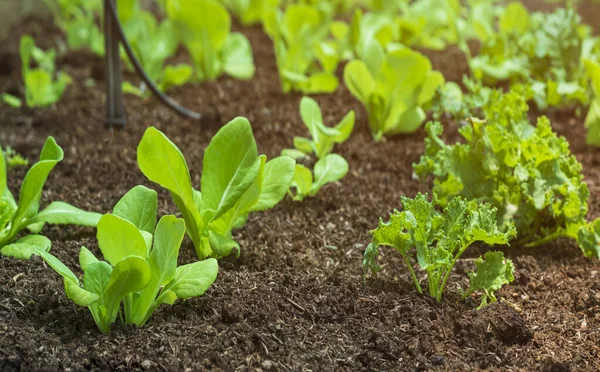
438,239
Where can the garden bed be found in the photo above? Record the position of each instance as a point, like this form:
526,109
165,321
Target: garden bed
295,298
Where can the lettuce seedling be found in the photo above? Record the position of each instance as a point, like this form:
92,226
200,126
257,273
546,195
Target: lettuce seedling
140,272
526,171
41,87
323,137
330,168
204,27
77,19
235,182
16,217
544,50
153,42
439,240
394,88
305,60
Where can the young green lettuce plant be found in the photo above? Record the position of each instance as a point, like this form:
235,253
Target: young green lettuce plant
394,87
323,138
527,172
305,59
235,182
42,88
153,42
77,19
140,272
439,239
328,169
204,27
16,217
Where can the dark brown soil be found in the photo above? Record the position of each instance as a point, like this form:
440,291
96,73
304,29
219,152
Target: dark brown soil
295,298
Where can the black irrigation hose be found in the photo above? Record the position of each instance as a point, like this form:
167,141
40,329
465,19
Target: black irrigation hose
140,70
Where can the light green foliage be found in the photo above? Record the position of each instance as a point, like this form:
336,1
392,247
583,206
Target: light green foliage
43,86
14,159
544,50
592,120
323,138
525,171
77,19
437,238
306,60
450,100
430,24
153,42
139,274
394,88
330,168
24,214
251,12
235,181
205,29
493,271
11,100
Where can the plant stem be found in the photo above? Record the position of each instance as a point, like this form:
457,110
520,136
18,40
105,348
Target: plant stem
412,273
549,238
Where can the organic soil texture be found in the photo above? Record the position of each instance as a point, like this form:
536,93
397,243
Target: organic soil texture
295,299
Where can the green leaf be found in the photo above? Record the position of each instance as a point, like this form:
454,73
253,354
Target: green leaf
393,233
163,264
493,271
119,238
163,258
139,206
344,128
514,19
277,178
60,213
129,275
304,145
302,181
194,279
28,245
31,189
294,154
222,245
320,82
11,100
175,76
86,258
230,166
162,162
237,55
79,295
3,175
329,169
588,238
311,115
55,264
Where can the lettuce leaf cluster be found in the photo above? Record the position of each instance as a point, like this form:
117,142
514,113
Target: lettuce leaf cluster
527,172
439,239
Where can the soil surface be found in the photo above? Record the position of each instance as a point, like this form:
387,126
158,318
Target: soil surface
295,299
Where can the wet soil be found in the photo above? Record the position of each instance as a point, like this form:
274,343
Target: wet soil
295,299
